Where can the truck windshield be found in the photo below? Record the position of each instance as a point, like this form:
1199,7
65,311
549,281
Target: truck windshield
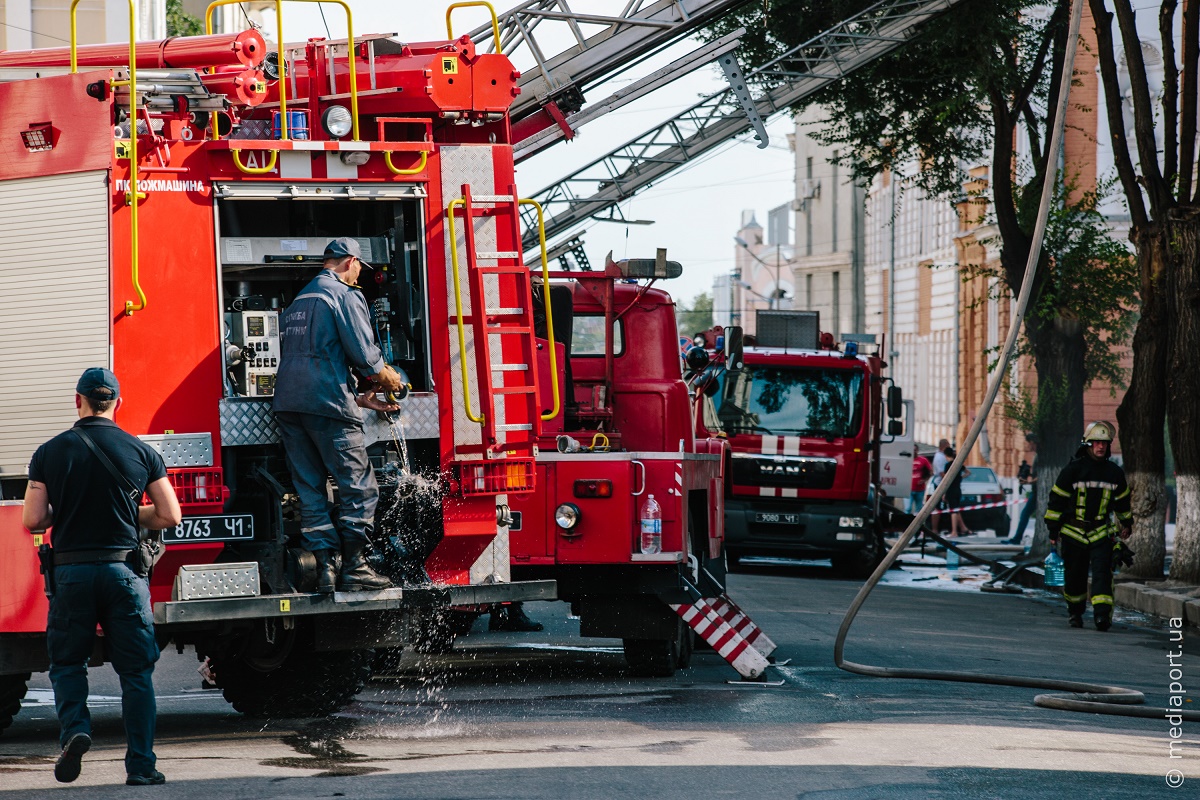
790,401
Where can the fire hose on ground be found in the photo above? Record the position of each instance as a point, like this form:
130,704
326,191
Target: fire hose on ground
1087,697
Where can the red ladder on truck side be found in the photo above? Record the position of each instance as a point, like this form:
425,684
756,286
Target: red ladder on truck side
514,324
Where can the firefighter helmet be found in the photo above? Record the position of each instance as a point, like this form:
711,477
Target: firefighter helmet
1099,431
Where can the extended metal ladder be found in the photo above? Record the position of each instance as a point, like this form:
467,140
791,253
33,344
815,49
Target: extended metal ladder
503,335
787,80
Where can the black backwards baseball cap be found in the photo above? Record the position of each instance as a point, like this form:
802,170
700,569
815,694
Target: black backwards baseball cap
345,246
98,383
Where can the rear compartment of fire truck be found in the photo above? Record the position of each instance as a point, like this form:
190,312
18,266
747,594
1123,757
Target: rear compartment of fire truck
270,245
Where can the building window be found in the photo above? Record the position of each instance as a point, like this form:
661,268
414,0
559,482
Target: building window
837,310
833,202
808,209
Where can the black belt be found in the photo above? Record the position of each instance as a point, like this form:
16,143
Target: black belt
90,557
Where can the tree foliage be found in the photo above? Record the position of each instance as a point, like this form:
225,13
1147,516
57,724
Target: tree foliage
697,318
181,23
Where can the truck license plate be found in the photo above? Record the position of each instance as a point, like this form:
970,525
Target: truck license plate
777,519
225,528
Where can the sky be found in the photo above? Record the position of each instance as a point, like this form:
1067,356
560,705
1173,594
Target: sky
696,210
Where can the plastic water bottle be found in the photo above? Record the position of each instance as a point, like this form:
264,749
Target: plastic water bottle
651,519
1053,567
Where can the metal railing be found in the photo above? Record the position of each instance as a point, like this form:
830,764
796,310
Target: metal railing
133,195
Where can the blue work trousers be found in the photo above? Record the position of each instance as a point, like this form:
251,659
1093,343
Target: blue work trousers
318,447
112,596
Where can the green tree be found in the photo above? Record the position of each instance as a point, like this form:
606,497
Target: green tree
957,94
1163,198
697,318
181,23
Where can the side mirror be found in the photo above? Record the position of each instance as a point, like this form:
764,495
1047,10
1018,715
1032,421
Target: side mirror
895,428
895,402
734,358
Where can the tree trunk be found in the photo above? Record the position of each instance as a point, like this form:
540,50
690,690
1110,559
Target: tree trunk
1058,350
1183,389
1142,413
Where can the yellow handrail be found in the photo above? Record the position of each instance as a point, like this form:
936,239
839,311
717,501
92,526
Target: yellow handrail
546,297
420,167
485,4
283,128
263,170
462,336
133,195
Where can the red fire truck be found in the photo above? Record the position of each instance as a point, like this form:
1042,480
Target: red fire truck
805,421
162,204
620,439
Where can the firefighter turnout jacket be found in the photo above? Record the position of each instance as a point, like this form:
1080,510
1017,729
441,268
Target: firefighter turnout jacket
1086,493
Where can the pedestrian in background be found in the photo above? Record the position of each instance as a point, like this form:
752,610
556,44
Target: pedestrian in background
87,483
939,470
953,497
922,471
1027,482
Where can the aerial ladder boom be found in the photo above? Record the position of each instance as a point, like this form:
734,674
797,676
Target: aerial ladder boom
789,78
569,52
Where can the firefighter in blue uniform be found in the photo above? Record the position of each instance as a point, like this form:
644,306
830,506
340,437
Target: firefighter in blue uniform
326,333
1089,492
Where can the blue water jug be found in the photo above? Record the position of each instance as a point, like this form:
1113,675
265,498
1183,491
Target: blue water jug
1053,567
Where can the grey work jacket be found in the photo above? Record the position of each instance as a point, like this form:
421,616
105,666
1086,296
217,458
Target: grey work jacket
325,331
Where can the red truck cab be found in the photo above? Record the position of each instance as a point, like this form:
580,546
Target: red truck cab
804,423
623,432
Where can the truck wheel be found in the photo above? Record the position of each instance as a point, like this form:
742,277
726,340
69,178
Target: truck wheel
287,679
12,691
660,658
861,563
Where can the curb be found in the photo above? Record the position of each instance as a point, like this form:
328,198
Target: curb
1161,599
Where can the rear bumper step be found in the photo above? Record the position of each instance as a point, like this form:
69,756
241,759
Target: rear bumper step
190,612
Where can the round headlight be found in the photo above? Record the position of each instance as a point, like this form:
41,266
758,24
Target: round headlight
337,121
699,340
566,516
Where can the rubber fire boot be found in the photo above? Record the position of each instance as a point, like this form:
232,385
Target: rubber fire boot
356,574
512,617
1076,621
328,562
1103,615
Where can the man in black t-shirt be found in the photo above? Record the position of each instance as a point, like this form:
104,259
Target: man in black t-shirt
96,526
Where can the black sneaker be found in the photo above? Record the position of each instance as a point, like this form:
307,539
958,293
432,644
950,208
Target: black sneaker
1076,621
70,761
155,778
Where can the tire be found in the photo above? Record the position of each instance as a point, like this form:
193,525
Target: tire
12,691
660,658
291,680
862,562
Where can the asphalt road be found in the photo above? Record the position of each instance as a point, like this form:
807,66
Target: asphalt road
550,715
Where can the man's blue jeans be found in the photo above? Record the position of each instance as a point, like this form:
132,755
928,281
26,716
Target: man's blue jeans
317,447
112,596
